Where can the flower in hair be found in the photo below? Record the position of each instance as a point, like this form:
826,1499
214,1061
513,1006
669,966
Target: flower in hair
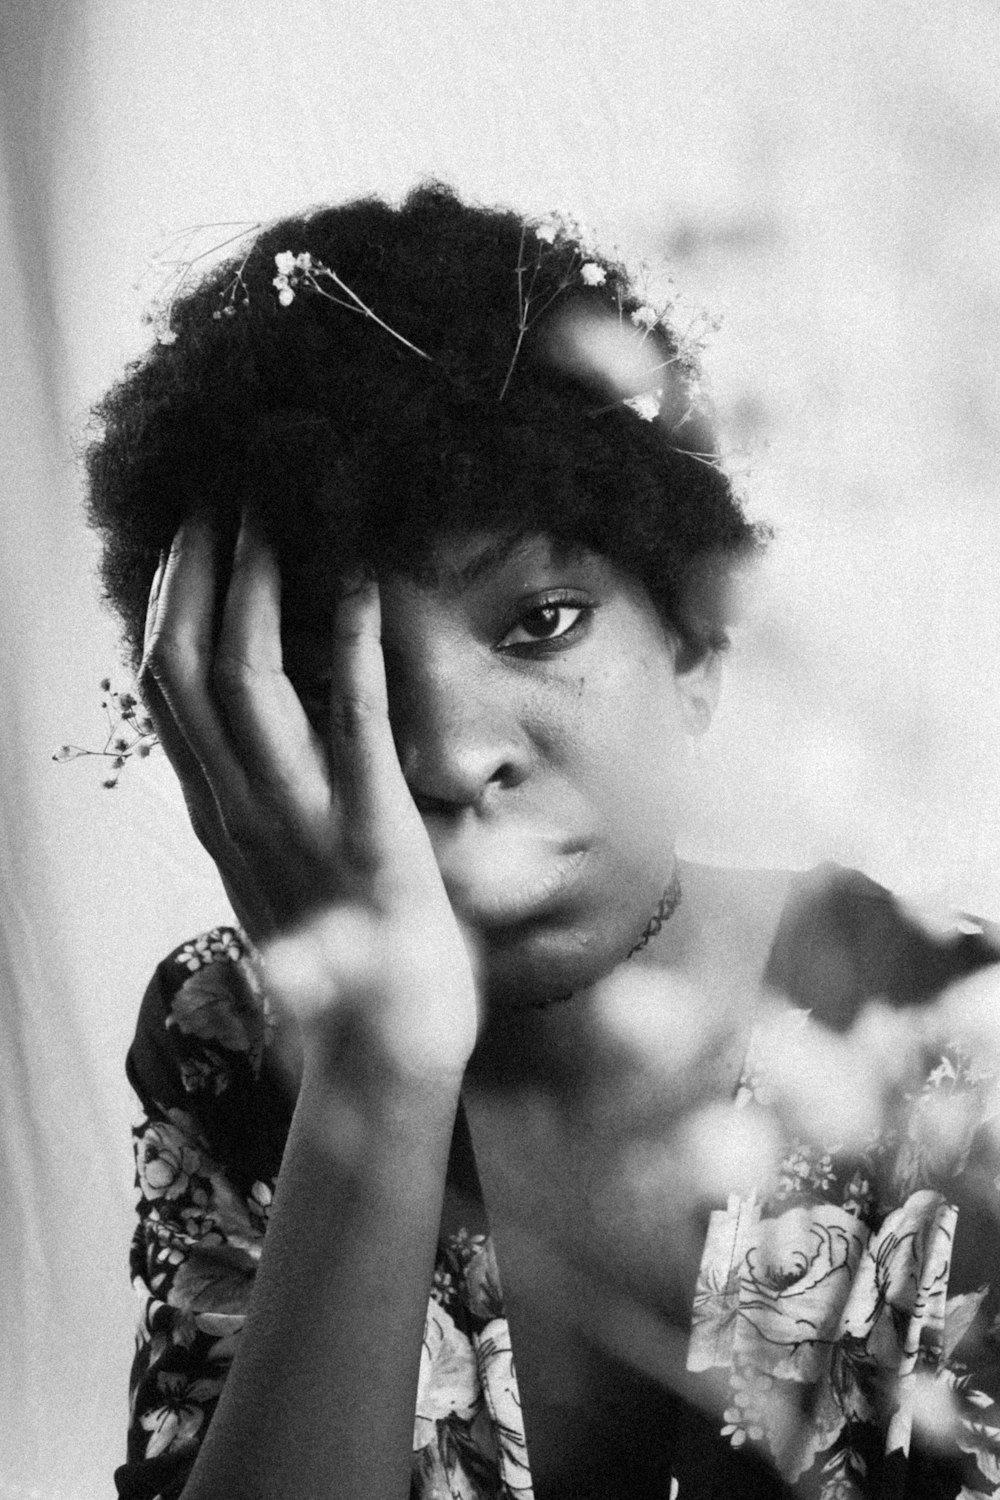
301,273
645,316
180,267
592,274
646,405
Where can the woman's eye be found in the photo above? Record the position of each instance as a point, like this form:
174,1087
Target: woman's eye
546,622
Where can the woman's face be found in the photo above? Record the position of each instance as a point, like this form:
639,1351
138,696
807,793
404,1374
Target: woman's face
542,729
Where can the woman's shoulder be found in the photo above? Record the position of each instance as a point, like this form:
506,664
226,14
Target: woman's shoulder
206,1044
831,938
844,939
202,989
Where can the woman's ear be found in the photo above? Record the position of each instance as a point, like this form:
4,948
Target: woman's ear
698,688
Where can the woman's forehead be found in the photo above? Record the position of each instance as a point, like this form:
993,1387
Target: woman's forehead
455,564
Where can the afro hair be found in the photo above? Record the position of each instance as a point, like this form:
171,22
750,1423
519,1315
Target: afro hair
356,451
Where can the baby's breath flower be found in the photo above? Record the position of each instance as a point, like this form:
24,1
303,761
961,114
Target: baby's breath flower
546,231
647,406
286,296
168,336
645,316
592,274
129,732
285,262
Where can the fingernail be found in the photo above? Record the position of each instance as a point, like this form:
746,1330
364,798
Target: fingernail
154,587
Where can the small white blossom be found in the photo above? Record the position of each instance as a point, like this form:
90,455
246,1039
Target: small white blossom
645,316
592,274
285,293
285,262
168,336
647,406
546,231
304,261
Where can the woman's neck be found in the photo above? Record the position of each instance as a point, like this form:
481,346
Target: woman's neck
674,1016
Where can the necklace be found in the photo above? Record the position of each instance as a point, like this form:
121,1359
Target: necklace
668,904
665,908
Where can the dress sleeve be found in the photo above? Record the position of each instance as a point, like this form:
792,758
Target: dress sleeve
207,1150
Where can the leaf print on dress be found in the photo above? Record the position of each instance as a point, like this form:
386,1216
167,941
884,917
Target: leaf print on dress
219,1008
174,1424
499,1381
449,1380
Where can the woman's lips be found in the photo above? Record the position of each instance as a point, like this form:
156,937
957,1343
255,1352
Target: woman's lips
514,884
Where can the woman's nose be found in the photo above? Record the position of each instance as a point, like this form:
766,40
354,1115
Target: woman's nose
458,738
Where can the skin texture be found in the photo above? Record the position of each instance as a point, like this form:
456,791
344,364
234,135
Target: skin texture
476,812
540,723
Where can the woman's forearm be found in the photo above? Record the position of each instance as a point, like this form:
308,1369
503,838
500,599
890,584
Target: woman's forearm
321,1395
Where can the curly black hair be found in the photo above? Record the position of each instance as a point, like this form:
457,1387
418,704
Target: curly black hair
355,451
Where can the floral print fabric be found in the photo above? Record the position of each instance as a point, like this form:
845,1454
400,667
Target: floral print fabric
207,1157
839,1320
839,1304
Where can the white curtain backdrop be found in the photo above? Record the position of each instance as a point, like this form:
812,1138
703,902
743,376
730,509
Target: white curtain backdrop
825,179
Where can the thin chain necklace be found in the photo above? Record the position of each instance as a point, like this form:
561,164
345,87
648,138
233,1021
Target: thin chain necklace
668,904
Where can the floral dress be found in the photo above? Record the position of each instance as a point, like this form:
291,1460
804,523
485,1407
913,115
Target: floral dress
850,1306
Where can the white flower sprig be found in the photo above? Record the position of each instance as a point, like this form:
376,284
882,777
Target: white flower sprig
684,365
301,272
557,229
130,733
179,268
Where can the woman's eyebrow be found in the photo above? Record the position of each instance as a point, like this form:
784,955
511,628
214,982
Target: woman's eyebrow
496,553
488,559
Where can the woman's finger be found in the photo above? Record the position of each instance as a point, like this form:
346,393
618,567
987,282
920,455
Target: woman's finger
189,771
284,763
365,763
244,896
176,672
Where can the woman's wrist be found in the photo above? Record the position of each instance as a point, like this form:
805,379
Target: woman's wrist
368,1102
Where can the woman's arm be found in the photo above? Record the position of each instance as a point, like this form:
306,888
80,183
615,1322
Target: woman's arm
320,1399
321,840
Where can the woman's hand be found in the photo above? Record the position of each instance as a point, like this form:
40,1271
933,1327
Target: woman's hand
323,838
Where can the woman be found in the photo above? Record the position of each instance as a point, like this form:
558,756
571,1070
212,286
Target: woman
440,560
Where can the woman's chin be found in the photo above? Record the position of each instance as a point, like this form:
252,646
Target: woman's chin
537,964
